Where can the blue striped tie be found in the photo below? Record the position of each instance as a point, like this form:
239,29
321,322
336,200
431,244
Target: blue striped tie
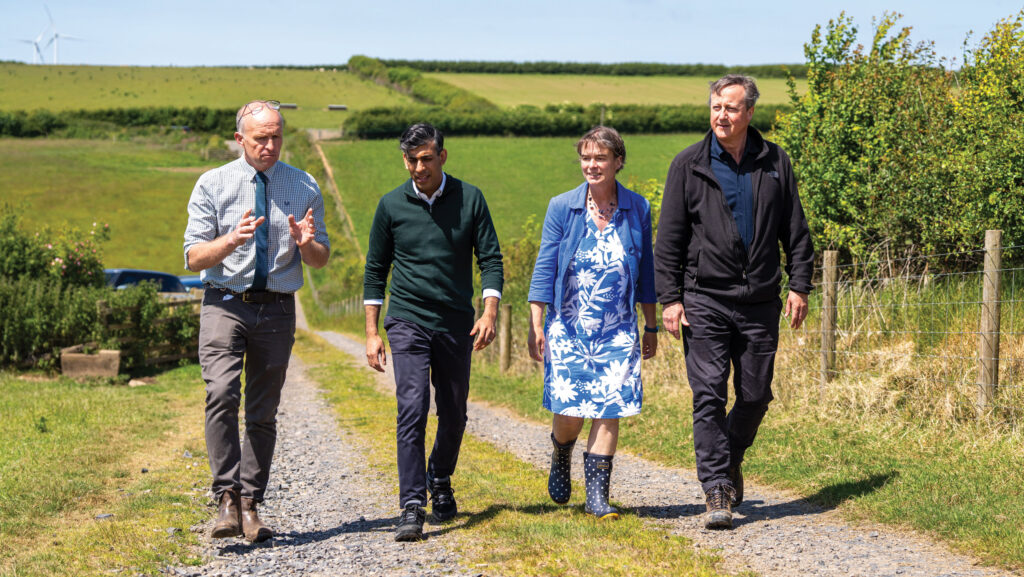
259,279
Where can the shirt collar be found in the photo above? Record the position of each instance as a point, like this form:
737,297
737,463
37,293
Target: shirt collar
437,193
717,151
250,170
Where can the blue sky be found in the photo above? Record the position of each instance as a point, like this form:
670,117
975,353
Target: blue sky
216,32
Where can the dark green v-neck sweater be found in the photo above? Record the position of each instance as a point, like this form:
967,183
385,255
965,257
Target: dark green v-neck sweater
431,248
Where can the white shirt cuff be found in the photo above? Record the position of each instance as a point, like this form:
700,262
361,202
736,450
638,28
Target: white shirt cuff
378,302
492,293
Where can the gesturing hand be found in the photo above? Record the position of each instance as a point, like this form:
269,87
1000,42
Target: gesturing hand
246,229
303,231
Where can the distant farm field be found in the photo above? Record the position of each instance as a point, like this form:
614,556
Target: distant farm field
542,89
141,190
24,87
517,175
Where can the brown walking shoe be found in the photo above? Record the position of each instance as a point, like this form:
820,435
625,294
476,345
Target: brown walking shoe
719,504
254,529
229,516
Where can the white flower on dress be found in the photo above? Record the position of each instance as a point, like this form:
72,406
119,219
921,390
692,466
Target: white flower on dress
586,278
615,375
588,410
561,350
574,411
629,409
556,329
562,389
623,339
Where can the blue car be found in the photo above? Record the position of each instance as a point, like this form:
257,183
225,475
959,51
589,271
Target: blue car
124,277
191,281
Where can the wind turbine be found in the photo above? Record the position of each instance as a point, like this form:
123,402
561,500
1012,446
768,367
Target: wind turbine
37,53
55,39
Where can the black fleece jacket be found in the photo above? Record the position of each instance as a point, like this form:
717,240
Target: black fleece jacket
698,247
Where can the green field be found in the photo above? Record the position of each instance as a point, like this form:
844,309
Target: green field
541,89
517,175
57,88
140,189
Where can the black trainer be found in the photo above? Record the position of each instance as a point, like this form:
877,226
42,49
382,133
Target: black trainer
718,502
410,524
736,476
442,499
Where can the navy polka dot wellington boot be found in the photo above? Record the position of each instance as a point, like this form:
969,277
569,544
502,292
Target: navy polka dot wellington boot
559,485
598,472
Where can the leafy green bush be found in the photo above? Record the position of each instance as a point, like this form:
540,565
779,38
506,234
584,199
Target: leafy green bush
891,152
51,283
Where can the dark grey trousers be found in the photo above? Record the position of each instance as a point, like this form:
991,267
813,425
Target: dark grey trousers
260,335
423,356
724,335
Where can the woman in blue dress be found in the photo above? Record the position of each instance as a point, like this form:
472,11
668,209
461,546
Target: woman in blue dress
595,263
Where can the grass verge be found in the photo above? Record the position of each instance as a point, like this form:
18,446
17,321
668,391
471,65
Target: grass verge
95,478
512,532
962,485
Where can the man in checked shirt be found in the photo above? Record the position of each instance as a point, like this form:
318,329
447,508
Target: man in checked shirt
252,224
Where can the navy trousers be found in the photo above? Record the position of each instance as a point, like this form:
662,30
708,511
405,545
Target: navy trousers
422,357
725,335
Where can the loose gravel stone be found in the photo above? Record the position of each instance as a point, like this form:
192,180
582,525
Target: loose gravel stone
331,515
775,533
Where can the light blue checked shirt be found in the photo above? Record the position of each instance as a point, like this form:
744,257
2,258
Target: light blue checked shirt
222,196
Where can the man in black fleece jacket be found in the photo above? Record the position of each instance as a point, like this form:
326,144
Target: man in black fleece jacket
729,202
428,229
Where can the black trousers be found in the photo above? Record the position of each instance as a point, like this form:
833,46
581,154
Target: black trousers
235,335
725,335
422,356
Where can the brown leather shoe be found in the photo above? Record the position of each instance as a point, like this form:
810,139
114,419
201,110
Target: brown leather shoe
229,516
253,528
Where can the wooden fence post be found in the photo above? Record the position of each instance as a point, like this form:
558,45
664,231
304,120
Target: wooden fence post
830,290
988,333
505,337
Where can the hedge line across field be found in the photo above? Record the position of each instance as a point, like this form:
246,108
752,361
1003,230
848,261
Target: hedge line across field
19,123
617,69
554,120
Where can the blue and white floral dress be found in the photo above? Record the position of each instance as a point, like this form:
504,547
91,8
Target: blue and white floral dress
592,357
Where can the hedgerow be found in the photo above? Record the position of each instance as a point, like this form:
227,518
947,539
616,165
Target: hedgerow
555,120
617,69
19,123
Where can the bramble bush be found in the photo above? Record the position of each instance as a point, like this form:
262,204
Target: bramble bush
894,153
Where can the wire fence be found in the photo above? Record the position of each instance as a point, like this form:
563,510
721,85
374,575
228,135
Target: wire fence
889,335
880,336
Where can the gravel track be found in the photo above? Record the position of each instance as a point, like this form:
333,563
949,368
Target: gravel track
332,516
775,534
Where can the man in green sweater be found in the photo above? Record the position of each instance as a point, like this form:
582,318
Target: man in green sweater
428,229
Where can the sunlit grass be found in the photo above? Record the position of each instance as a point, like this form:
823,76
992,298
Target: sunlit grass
542,89
93,87
95,477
